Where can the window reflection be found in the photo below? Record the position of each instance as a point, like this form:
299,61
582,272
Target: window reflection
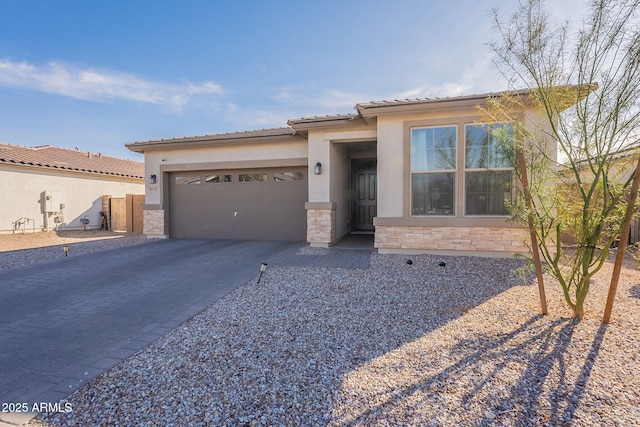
218,178
484,148
488,192
288,176
187,180
252,177
433,153
488,175
433,149
432,194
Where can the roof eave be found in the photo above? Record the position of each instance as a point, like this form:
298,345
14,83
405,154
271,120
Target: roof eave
67,169
306,124
211,141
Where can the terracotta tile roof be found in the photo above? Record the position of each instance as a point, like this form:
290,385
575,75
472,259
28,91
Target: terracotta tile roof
49,157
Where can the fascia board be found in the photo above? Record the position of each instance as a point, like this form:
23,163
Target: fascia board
327,124
417,108
141,147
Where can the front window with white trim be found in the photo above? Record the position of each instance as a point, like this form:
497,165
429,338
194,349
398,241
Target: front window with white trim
433,170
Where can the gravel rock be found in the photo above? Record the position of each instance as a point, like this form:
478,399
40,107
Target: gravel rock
394,344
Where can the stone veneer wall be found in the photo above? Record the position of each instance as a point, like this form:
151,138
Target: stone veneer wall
321,226
154,223
486,239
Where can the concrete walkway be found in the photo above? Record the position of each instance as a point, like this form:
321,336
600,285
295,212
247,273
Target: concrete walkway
66,321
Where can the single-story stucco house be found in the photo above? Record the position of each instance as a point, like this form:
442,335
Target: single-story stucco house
423,175
48,188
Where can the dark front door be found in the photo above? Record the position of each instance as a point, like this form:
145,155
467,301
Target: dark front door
364,180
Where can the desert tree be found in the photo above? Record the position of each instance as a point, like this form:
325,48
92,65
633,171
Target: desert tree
585,85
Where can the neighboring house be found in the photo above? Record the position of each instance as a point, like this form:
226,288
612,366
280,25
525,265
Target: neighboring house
50,188
621,168
424,175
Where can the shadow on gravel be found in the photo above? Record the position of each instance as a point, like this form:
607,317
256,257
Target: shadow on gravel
635,291
544,393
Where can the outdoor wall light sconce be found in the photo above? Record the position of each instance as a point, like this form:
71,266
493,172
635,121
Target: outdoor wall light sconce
318,168
65,248
263,268
152,179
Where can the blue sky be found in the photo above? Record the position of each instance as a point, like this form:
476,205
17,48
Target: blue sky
99,74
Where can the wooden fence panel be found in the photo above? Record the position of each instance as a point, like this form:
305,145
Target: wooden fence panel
634,236
118,214
134,213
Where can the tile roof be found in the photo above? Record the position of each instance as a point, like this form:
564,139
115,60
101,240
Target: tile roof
229,138
414,101
372,108
327,118
283,131
49,157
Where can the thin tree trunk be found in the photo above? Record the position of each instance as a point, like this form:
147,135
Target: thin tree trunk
532,233
624,236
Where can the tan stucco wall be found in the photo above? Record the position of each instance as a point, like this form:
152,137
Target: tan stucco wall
333,185
397,229
319,150
161,162
341,188
394,139
216,157
391,164
329,203
81,194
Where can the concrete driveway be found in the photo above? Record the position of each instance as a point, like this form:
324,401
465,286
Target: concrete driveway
66,321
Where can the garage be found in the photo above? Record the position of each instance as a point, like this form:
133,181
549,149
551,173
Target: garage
261,204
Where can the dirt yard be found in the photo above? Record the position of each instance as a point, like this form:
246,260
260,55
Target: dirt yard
12,242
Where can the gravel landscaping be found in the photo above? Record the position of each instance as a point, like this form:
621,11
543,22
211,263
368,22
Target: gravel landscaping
394,344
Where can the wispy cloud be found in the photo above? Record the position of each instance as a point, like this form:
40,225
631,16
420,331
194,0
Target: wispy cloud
290,103
327,101
480,77
98,85
243,117
339,101
446,89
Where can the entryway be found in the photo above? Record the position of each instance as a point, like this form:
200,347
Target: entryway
356,240
363,194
